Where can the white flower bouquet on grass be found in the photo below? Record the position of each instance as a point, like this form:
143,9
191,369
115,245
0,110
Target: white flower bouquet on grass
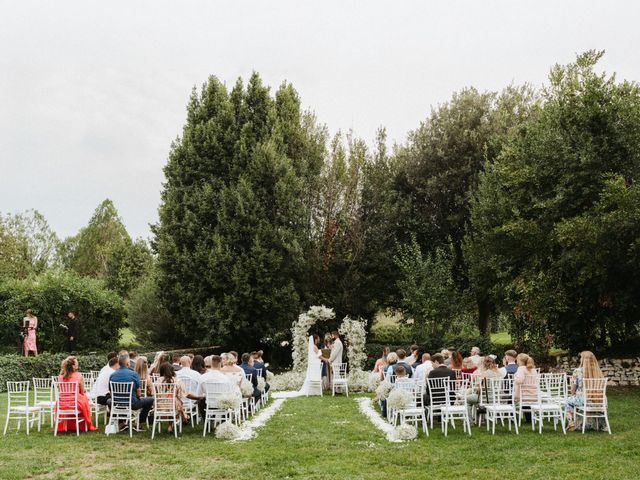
398,399
246,388
405,432
227,431
383,390
229,402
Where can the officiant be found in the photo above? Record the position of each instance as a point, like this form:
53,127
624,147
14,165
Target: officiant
326,367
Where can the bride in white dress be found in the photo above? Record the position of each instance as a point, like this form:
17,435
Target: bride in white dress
313,380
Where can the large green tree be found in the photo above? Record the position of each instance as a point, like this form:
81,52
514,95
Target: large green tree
554,224
235,216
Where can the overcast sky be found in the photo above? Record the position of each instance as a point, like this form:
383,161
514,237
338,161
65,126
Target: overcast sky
93,93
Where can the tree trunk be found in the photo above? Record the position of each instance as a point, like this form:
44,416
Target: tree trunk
484,317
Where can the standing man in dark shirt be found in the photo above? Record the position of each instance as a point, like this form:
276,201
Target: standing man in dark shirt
72,332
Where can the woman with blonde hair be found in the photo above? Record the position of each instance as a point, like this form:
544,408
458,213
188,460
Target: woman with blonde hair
69,374
526,379
392,359
142,369
229,364
588,370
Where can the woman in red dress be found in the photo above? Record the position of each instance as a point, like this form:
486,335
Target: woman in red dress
30,323
68,374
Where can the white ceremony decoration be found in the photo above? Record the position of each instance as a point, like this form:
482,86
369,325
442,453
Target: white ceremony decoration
229,402
405,432
383,390
262,384
300,331
355,333
398,399
246,388
228,431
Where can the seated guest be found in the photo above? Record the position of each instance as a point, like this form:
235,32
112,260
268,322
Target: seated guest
168,375
489,371
475,356
229,364
69,374
424,368
446,355
197,364
381,363
401,376
213,375
186,372
588,370
101,386
106,367
392,360
258,363
468,366
456,360
145,379
247,366
402,361
526,378
161,357
414,357
133,358
176,362
125,375
510,366
440,370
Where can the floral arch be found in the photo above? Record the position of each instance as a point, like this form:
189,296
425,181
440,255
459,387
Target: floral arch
353,331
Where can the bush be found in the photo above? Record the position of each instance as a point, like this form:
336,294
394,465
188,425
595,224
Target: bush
148,319
51,296
391,333
15,368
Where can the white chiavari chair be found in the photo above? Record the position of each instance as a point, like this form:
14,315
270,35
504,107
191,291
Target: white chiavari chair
594,392
67,406
339,378
213,413
165,409
499,402
18,407
43,397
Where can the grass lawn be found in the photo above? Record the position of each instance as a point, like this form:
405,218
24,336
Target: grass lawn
328,438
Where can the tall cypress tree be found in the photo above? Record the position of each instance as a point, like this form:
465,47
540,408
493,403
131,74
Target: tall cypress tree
233,230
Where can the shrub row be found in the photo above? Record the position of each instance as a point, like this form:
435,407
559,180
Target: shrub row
15,368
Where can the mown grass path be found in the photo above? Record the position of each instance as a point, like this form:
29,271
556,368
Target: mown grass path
323,438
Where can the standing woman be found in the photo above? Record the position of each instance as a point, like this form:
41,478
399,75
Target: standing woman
30,323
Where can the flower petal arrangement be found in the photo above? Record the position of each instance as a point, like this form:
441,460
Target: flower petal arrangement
228,431
229,402
398,399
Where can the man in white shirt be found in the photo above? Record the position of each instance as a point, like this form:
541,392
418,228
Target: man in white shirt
475,356
100,390
212,375
422,370
188,376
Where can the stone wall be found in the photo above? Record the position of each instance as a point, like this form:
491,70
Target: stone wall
619,371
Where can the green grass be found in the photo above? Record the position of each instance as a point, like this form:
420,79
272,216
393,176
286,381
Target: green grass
328,438
501,338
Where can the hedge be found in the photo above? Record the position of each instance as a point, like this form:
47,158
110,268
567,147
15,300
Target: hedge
50,296
14,368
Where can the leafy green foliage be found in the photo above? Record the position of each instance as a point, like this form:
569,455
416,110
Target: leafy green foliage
554,227
149,320
128,264
16,368
50,296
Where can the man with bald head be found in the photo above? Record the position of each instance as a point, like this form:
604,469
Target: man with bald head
190,378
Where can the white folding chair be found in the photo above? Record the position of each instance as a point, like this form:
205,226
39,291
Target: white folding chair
436,389
414,412
165,408
18,407
67,406
190,385
498,401
527,395
43,397
213,413
121,397
339,379
455,407
594,392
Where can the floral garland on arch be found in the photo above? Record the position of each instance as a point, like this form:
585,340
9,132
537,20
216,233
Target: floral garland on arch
354,331
300,331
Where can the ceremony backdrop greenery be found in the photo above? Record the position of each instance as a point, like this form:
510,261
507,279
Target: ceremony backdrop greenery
515,210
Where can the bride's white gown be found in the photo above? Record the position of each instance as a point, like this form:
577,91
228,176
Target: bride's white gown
314,369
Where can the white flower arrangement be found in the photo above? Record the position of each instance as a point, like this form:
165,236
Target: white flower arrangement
383,390
300,332
246,389
229,402
355,333
227,431
287,381
363,381
405,432
261,384
270,376
398,399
